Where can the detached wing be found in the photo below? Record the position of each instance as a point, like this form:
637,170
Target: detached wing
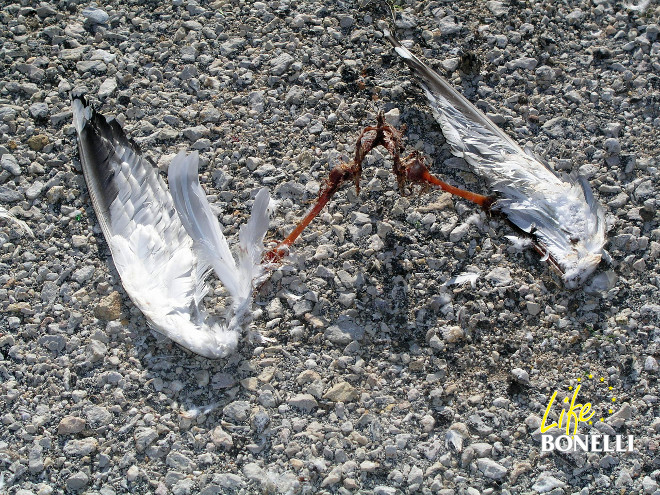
150,247
560,212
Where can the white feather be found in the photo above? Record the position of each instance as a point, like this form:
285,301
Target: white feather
519,243
464,278
209,241
6,215
560,212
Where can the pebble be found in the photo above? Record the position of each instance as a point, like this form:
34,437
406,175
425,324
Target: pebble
10,164
341,392
303,402
109,307
70,425
547,483
238,410
77,481
108,87
38,142
94,15
491,469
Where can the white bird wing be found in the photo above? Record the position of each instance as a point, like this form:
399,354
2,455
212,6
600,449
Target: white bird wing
150,248
209,242
561,212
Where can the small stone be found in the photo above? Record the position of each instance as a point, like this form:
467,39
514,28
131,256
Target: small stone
368,466
39,110
108,87
575,17
228,481
221,438
10,164
37,142
649,485
520,376
98,415
8,195
546,483
452,334
70,425
341,392
54,194
533,308
83,274
96,351
651,364
346,21
280,64
499,276
144,437
612,146
77,481
333,477
109,308
491,469
132,473
449,26
303,402
94,15
415,478
497,8
81,447
178,461
238,410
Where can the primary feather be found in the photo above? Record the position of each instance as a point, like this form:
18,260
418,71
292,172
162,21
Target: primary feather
210,243
560,212
154,256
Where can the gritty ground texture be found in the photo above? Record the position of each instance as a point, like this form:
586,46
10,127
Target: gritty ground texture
379,379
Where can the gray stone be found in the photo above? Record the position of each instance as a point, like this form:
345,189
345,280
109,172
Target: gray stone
546,483
82,447
238,410
344,332
77,481
8,195
303,402
97,415
144,437
108,87
499,276
10,164
39,110
491,469
95,15
34,191
280,64
179,461
82,275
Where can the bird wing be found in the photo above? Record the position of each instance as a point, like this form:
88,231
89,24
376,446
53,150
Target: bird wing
150,248
561,212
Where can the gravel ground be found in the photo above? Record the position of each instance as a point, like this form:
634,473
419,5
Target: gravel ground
380,379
